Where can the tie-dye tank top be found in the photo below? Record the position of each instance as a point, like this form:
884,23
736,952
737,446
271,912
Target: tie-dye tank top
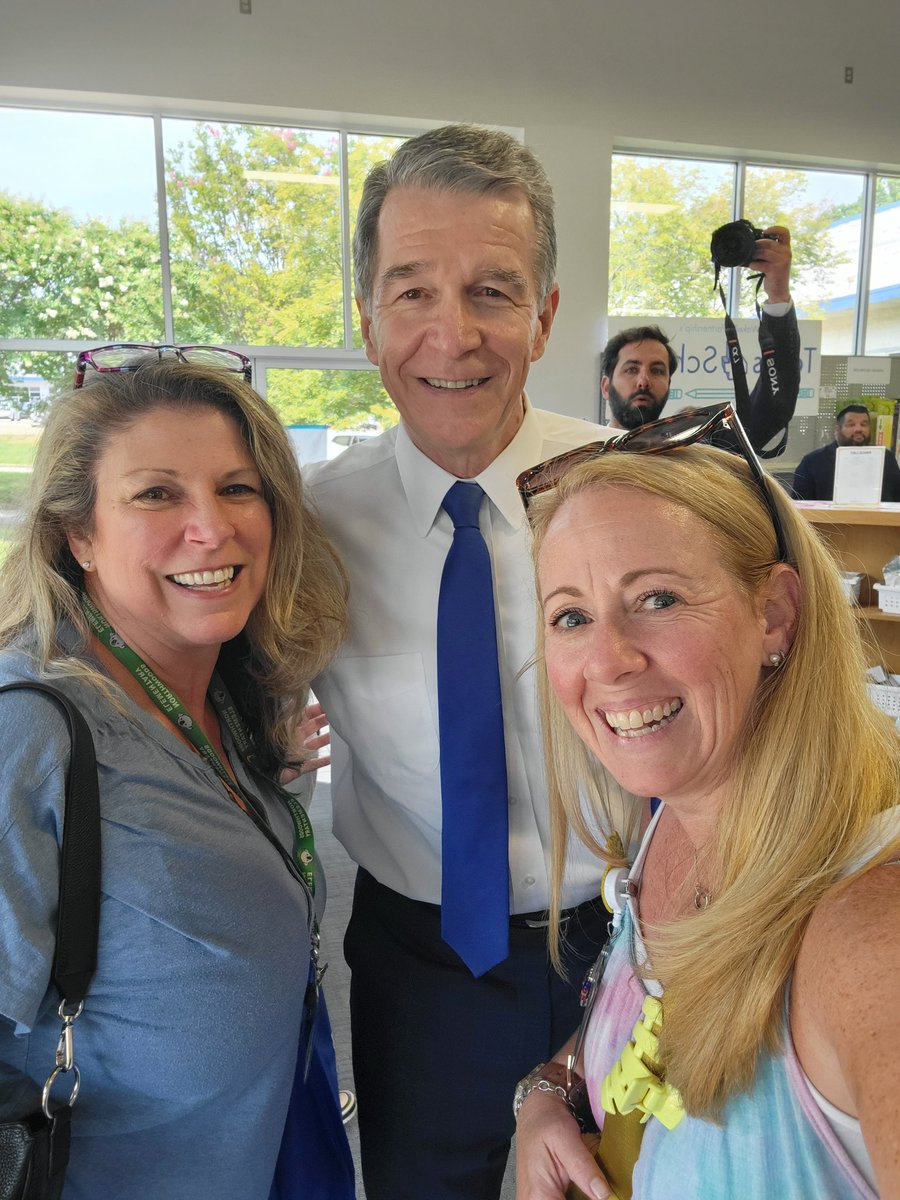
774,1141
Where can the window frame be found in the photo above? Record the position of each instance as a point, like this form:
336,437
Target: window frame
346,356
741,162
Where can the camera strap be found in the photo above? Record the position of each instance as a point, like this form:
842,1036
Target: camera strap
738,367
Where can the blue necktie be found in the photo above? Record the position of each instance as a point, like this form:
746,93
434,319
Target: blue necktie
475,840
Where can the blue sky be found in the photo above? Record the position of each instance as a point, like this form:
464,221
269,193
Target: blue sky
102,165
95,165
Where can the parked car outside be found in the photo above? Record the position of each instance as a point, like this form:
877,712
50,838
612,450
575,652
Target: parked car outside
340,439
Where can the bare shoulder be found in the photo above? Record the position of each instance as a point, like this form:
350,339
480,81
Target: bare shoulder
864,902
846,981
851,949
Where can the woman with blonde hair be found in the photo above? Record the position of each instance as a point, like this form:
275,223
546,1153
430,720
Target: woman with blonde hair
695,639
170,581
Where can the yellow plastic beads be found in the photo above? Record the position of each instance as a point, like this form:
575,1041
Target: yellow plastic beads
634,1082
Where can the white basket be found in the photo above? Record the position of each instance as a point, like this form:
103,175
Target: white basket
888,598
884,697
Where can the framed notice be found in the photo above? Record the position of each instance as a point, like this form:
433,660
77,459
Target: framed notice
858,473
869,369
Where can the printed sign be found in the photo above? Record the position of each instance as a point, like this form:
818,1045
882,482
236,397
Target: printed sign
868,369
858,472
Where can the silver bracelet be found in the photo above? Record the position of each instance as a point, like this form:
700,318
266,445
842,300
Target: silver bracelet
538,1081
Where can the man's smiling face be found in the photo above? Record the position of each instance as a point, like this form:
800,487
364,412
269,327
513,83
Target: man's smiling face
852,429
456,319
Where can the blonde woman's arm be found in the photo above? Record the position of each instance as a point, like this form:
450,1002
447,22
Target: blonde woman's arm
549,1151
844,1012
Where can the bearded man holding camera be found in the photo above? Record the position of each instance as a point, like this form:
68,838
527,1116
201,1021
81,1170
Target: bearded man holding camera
637,364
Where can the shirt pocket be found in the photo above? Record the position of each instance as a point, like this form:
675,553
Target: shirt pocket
381,707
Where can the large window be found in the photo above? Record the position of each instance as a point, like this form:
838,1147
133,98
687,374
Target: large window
161,228
662,213
811,204
664,209
79,244
883,324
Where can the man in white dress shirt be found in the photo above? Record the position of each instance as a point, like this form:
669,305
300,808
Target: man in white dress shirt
455,255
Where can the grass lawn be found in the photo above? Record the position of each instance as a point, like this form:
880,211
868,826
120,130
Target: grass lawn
19,448
13,486
16,449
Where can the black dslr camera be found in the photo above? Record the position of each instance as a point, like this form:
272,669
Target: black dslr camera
734,244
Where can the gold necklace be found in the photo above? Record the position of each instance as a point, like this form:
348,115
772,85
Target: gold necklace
702,894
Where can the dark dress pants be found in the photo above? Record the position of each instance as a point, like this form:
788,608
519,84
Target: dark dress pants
437,1053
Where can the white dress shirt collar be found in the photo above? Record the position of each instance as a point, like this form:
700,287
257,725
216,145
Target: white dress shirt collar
426,484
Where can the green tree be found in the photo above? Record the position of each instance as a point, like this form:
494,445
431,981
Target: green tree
254,236
256,255
663,214
342,399
64,278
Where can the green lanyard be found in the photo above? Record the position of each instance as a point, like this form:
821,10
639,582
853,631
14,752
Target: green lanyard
169,704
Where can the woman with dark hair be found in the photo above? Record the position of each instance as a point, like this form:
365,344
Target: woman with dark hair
170,580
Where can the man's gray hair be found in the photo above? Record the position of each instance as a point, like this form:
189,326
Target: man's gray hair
457,158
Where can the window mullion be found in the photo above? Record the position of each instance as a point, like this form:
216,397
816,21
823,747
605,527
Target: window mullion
737,211
163,217
866,238
346,272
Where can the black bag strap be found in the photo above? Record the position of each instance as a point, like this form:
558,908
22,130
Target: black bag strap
78,917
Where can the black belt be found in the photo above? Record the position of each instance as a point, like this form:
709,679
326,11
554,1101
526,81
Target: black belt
530,920
540,920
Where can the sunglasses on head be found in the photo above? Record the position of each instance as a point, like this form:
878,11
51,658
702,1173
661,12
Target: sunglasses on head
126,356
659,437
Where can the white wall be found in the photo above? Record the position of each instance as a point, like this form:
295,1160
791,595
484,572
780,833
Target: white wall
576,74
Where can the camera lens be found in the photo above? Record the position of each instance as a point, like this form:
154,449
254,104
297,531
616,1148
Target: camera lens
734,244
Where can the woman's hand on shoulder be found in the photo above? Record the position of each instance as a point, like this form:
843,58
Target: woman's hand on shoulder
550,1153
843,1011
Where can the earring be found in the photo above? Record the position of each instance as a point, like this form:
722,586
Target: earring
776,658
86,565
